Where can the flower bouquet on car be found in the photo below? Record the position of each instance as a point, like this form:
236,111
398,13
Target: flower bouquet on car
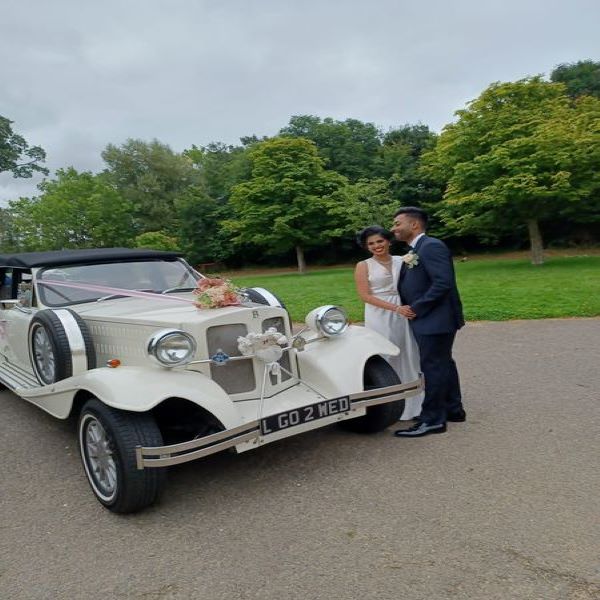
216,293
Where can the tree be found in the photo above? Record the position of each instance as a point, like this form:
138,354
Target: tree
201,235
156,240
75,210
349,147
401,154
16,155
285,204
220,167
150,176
364,203
7,243
581,78
521,153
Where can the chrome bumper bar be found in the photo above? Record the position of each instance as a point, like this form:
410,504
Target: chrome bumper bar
165,456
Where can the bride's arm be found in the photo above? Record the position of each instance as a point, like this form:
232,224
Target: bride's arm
361,277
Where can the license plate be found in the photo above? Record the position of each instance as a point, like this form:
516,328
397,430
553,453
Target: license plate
305,414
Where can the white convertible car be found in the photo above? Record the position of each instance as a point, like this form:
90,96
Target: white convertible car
114,339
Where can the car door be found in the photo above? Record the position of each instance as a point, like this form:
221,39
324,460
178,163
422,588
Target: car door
15,315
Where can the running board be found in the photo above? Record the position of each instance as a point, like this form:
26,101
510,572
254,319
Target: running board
16,377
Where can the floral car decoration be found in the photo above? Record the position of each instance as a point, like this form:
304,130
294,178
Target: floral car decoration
216,293
160,365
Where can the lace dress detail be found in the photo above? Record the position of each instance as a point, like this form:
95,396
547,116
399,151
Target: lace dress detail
383,283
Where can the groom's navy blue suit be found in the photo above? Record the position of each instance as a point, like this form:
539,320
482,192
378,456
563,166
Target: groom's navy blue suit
429,288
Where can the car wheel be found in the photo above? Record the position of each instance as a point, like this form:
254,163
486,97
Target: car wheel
377,374
107,440
60,345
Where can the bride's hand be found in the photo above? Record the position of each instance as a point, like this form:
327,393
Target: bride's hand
406,311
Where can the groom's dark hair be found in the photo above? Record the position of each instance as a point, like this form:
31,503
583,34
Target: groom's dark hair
414,212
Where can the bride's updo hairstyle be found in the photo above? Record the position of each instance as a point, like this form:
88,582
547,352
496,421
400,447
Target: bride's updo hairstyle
367,232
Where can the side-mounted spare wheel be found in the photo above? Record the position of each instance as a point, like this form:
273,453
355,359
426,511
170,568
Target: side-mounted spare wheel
107,439
262,296
60,345
377,374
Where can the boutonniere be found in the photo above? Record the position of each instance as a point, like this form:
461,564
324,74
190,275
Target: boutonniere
411,259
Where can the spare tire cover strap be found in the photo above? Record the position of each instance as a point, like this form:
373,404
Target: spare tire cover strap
76,341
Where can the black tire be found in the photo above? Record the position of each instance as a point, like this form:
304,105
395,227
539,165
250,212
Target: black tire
51,346
378,373
258,296
119,433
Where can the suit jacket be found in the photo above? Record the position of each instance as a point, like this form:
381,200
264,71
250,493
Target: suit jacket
430,289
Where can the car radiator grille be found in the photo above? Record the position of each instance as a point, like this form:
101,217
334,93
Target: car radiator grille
238,376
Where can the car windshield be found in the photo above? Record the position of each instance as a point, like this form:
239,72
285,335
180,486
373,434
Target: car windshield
72,284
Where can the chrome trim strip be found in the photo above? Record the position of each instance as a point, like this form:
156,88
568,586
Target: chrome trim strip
182,458
383,399
232,437
76,341
416,386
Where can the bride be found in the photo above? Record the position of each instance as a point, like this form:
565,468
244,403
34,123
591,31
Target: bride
377,285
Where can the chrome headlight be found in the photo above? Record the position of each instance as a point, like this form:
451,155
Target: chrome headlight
329,320
172,347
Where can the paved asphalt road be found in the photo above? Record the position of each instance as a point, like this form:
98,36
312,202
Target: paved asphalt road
505,506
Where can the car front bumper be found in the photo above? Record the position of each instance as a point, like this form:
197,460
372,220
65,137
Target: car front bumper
257,432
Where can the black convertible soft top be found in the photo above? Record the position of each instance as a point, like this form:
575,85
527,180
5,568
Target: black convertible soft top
56,258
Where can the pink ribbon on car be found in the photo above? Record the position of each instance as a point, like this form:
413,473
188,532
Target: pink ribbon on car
107,291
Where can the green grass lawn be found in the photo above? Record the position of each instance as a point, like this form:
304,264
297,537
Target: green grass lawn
493,290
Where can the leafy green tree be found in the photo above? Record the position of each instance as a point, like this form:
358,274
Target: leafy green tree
220,167
7,243
201,235
349,147
156,240
520,154
360,204
581,78
150,176
75,210
16,155
401,154
286,203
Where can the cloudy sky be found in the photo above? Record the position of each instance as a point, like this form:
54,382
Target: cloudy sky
76,75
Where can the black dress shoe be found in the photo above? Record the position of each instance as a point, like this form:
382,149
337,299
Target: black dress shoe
420,429
460,416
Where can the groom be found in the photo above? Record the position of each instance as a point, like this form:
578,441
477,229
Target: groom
430,301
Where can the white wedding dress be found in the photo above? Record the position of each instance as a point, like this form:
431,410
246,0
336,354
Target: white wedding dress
383,283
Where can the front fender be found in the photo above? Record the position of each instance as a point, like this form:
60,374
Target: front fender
137,389
334,366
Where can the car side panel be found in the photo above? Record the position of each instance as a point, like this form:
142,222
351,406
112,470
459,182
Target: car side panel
336,364
135,389
14,338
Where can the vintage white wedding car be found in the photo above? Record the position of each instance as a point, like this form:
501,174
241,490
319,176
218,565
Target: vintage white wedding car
112,338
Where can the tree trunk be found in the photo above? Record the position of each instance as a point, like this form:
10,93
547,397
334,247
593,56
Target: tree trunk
537,245
300,259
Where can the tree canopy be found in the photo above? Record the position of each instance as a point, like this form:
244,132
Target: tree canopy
522,157
16,155
286,202
150,176
518,155
349,147
75,210
581,78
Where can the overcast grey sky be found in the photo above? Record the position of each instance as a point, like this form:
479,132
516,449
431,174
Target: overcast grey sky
78,75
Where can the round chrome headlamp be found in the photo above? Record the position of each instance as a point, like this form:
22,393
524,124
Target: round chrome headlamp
172,347
329,320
